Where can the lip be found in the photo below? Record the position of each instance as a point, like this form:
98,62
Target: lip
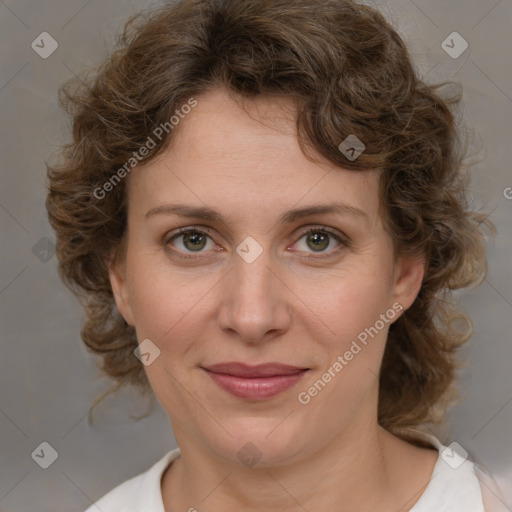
260,370
255,382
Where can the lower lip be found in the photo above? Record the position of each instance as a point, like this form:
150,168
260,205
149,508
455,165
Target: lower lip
255,388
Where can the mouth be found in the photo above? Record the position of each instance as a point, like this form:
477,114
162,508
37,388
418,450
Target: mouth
255,382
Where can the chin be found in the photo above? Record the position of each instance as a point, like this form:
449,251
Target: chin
258,441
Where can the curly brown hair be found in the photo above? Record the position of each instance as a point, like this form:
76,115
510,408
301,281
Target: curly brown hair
349,72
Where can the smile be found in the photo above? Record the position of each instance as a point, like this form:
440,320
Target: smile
255,383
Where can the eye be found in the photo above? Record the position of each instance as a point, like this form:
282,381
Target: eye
320,239
194,240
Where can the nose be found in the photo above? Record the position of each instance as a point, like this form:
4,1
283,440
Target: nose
255,300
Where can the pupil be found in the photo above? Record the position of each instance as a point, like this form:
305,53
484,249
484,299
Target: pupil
321,238
194,237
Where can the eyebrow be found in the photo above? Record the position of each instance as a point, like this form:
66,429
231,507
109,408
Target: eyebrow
208,214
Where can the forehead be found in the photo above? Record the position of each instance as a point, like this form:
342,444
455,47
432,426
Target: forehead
227,130
226,153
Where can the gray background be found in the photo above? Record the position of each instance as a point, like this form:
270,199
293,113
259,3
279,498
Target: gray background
47,379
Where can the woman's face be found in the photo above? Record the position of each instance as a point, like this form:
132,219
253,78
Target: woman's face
256,288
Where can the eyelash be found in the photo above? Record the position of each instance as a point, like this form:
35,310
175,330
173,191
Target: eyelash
343,242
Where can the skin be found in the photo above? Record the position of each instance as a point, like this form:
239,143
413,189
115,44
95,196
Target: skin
293,304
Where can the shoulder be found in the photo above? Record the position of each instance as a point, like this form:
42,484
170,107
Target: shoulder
142,492
454,485
493,498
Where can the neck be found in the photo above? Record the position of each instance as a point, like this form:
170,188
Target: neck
362,469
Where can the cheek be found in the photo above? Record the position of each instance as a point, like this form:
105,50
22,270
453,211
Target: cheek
353,300
165,304
349,368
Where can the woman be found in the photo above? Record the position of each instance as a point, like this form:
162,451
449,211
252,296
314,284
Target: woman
263,209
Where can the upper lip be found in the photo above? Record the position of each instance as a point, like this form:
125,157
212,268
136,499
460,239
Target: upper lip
260,370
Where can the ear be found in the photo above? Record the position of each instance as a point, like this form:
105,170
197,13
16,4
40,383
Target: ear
117,276
408,277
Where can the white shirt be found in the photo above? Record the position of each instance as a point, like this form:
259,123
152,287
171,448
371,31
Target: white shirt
453,487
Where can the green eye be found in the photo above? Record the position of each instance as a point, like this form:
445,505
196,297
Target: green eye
319,239
194,240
